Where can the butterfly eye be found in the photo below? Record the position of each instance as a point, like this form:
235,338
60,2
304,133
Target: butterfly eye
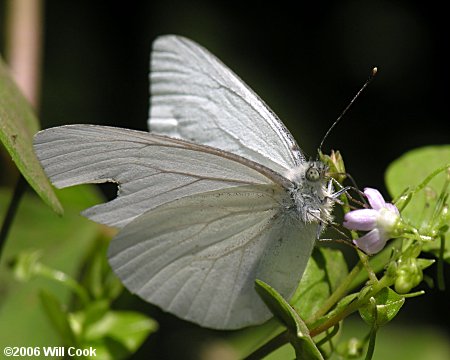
312,174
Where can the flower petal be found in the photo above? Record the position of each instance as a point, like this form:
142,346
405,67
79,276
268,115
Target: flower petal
372,242
392,208
375,198
363,219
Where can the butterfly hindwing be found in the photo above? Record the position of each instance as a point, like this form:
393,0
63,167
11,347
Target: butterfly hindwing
198,257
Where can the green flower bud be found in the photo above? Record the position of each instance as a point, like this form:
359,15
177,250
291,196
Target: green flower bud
336,166
351,349
409,275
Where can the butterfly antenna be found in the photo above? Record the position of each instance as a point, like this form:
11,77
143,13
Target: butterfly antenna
368,81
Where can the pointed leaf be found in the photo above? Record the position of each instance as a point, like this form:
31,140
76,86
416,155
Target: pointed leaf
277,304
387,303
325,270
57,316
93,313
18,124
118,334
299,334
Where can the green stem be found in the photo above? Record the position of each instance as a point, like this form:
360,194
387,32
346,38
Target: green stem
373,330
364,259
329,336
372,338
64,279
270,346
337,295
352,307
409,193
414,294
429,178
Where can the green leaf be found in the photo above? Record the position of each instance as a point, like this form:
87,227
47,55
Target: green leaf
387,303
92,313
277,305
18,124
118,334
299,334
324,272
57,316
99,278
63,243
25,265
410,170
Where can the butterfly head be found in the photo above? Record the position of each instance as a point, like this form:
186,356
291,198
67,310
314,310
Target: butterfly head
308,174
309,191
315,172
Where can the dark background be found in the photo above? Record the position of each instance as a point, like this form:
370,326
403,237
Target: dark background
306,62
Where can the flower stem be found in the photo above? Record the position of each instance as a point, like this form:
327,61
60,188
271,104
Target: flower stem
364,259
385,281
338,294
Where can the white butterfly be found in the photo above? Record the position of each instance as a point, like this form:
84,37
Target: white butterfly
200,219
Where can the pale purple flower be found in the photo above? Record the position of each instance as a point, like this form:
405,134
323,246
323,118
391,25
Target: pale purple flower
379,221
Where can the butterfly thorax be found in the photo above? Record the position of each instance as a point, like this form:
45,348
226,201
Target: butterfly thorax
310,196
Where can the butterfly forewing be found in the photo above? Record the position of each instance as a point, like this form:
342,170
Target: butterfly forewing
149,169
194,96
